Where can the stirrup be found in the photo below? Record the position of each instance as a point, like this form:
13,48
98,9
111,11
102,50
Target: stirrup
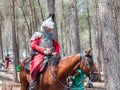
32,85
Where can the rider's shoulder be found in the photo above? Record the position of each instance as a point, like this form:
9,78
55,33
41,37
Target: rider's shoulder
36,35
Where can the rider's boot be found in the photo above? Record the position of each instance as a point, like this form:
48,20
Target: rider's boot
33,84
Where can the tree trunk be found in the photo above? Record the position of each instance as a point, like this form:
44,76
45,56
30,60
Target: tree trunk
63,28
17,37
109,45
98,40
14,41
89,25
117,14
30,2
1,45
29,30
41,12
35,18
51,12
75,43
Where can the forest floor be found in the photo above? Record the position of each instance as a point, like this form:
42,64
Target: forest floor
7,77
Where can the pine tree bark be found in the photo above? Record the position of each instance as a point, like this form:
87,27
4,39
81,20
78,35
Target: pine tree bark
89,25
14,41
117,14
109,45
32,25
41,12
75,40
98,39
1,45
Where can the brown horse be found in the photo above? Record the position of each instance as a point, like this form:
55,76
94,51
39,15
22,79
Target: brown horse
54,78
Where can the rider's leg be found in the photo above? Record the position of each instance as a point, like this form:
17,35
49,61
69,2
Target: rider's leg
34,74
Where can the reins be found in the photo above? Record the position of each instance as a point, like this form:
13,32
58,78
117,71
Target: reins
66,86
54,75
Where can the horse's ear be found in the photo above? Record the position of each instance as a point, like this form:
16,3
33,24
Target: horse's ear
88,52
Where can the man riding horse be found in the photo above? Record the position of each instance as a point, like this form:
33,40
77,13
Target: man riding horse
55,79
52,79
41,42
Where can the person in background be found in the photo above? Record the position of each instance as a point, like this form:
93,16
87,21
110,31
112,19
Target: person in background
78,80
7,59
42,44
89,83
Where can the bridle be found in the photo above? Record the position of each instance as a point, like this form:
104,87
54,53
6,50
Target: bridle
85,62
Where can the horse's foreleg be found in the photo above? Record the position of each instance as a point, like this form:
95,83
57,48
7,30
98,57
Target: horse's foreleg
23,82
23,85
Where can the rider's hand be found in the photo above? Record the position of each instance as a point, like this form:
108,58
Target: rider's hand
46,52
54,54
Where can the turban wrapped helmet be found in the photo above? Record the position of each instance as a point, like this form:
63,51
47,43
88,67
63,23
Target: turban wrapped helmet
48,23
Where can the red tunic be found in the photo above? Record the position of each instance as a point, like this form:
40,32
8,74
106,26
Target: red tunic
6,62
36,64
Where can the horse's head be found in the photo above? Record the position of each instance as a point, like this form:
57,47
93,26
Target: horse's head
87,65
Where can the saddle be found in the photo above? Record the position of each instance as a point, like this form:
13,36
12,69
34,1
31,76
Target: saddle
26,65
54,61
